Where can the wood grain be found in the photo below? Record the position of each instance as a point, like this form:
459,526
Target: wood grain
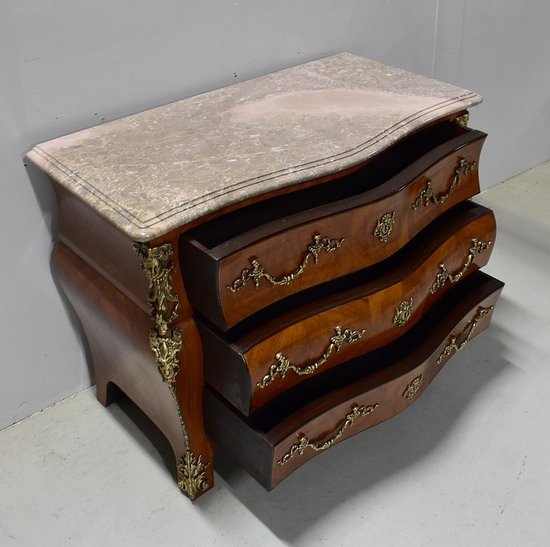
117,332
302,335
316,408
281,244
101,274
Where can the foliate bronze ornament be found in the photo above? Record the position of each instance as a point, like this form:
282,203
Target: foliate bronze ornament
166,343
166,349
257,272
284,365
452,346
298,448
412,389
476,248
403,312
427,195
384,226
463,120
156,263
191,475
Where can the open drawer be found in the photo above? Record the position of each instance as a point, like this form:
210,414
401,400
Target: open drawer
315,415
367,311
244,261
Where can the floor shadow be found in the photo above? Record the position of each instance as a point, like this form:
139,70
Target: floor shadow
357,465
144,432
348,469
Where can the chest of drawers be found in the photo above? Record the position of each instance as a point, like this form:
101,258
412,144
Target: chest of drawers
276,265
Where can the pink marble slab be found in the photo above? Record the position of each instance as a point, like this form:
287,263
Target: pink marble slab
160,169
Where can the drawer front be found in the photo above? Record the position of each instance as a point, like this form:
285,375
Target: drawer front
289,433
259,268
301,344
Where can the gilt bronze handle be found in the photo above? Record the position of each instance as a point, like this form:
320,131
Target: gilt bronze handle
257,272
357,411
427,195
476,247
452,346
283,364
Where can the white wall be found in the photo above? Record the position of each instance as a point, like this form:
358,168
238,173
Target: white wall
66,65
498,48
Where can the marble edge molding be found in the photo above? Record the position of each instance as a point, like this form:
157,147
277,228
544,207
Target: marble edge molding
187,211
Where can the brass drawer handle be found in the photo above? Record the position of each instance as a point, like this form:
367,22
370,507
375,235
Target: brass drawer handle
284,365
257,272
477,247
427,194
451,346
304,443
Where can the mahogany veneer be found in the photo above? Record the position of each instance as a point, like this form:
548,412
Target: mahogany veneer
298,250
345,209
368,309
384,383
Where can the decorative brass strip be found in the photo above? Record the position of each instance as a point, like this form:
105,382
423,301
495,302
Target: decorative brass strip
477,247
257,272
304,443
462,120
156,263
403,312
427,194
284,365
412,389
165,340
452,346
166,349
191,478
384,227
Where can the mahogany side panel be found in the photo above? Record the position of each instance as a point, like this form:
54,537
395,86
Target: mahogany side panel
101,245
112,263
117,332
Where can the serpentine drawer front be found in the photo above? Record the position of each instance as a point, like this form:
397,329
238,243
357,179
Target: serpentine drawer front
288,260
351,223
334,328
371,389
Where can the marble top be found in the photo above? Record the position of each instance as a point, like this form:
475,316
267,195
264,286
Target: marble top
151,172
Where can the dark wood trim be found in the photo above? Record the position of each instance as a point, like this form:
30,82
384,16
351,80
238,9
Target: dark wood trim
374,180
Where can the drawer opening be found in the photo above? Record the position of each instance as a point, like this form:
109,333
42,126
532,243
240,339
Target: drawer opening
269,442
357,314
347,185
381,365
342,289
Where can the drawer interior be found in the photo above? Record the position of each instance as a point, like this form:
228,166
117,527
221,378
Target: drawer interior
319,297
365,304
413,154
417,343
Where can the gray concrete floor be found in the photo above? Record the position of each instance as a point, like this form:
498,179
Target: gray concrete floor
467,464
